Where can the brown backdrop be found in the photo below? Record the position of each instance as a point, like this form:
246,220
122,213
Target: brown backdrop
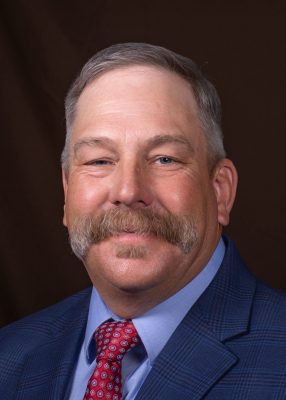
240,45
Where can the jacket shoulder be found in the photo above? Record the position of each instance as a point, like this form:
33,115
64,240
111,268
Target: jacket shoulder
269,309
24,339
20,337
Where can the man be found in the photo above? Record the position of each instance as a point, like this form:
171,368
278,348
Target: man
173,313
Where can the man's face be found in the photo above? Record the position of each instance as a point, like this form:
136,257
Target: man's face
137,145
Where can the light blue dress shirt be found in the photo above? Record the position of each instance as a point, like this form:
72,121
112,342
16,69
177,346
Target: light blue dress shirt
155,328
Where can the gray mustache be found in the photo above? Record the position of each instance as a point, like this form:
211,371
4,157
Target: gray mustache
89,230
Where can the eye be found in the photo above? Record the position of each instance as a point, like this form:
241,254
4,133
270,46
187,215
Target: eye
98,162
101,162
165,160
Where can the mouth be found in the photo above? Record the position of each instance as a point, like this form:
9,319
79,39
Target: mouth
130,230
132,236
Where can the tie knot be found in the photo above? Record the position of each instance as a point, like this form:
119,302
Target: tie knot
114,339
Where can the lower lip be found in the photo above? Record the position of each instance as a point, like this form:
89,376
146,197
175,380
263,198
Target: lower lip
131,237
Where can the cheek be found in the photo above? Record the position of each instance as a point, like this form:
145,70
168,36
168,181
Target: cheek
84,195
182,195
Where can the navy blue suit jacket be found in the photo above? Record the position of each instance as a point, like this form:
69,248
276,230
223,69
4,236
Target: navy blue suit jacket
230,345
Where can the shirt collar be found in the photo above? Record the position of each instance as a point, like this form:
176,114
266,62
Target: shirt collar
98,313
163,318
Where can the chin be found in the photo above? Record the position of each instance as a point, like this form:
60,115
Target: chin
133,275
130,269
136,286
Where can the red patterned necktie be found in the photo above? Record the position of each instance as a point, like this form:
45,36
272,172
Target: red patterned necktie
113,340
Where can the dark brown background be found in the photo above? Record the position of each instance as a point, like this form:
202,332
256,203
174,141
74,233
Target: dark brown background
240,46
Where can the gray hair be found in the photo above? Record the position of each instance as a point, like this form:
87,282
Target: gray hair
128,54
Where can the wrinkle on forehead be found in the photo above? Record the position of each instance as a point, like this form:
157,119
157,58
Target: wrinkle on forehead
136,101
151,143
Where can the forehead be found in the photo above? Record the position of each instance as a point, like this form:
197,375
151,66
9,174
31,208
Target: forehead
139,77
136,97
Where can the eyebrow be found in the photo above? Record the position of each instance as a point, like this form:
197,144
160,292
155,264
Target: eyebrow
163,139
93,142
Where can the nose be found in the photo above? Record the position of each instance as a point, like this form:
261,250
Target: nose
130,186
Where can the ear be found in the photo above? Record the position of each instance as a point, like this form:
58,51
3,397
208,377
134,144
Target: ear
225,183
65,187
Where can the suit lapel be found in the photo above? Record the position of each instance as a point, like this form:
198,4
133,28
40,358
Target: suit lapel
196,356
191,362
49,368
